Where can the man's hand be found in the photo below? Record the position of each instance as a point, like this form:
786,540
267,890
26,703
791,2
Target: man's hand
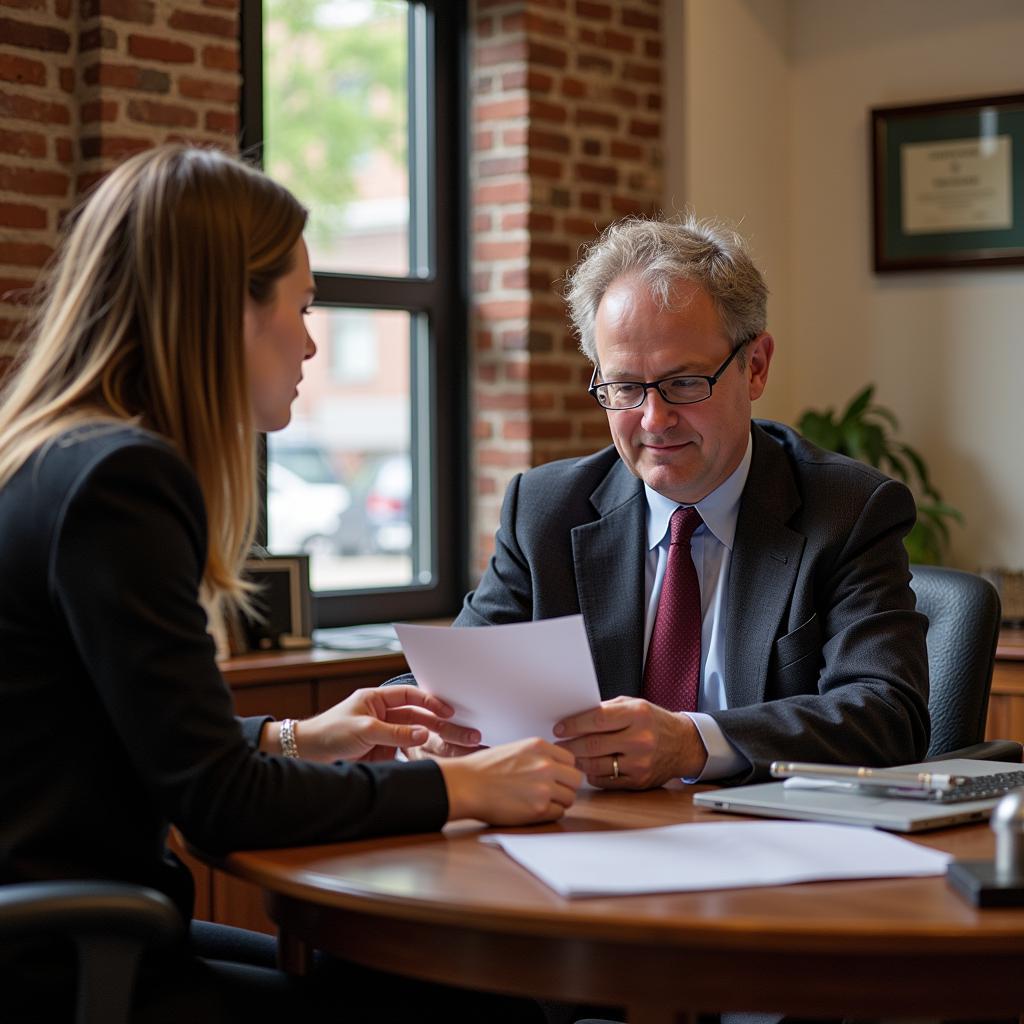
648,744
446,740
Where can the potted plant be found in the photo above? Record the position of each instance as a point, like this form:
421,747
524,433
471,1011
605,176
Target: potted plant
863,431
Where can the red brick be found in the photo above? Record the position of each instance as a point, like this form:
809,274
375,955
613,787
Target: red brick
490,167
587,9
222,121
482,222
618,42
490,54
644,129
506,192
221,58
560,252
115,146
515,136
642,73
138,11
8,328
229,4
590,200
599,173
583,227
587,117
515,430
654,101
551,372
34,37
549,429
595,431
534,24
98,110
542,400
527,78
574,87
86,181
67,79
21,215
25,5
550,56
167,51
62,8
542,167
205,89
126,76
518,279
483,141
502,109
15,291
594,62
502,401
30,144
487,251
484,28
553,112
551,142
170,115
22,70
100,37
503,309
483,431
623,97
27,109
64,149
25,254
626,206
206,24
498,457
652,48
592,147
633,18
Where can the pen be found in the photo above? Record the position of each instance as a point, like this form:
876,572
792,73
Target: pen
869,776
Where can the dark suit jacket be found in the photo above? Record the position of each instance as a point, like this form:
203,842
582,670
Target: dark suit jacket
117,720
825,655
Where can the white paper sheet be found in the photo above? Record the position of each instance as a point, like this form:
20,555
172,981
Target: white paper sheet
509,682
727,855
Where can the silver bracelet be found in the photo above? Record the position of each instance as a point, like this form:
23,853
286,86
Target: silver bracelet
288,747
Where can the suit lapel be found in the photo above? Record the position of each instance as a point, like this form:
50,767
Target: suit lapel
608,558
765,559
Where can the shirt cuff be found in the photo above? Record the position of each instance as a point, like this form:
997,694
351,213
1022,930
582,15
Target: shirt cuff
723,758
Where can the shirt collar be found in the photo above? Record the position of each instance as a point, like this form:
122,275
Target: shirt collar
719,510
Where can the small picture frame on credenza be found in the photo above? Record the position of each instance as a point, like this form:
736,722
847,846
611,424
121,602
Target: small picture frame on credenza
283,603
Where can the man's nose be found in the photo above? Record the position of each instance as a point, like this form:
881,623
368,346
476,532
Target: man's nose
657,413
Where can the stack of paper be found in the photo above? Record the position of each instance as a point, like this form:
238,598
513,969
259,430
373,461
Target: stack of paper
728,855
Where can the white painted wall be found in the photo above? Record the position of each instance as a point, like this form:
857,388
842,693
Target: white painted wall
945,348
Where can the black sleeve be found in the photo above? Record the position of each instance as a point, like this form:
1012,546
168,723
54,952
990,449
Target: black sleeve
125,572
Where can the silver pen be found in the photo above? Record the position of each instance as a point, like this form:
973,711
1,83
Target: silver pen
931,781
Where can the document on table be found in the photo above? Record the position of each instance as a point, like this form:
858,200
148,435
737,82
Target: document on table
727,855
510,681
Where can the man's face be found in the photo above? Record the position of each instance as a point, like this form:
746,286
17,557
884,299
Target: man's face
681,451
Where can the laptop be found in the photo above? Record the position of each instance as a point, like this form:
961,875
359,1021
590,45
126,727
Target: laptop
843,806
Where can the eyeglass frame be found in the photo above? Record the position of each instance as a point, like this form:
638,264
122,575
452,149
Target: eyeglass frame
711,379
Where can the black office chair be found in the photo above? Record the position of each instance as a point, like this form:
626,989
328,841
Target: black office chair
111,924
963,628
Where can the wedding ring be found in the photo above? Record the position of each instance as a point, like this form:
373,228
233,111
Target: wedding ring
615,767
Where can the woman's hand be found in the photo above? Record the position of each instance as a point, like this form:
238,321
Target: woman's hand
514,784
368,725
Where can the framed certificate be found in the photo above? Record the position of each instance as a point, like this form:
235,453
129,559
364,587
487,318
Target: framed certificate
949,184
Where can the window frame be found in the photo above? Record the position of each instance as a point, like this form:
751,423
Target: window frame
440,203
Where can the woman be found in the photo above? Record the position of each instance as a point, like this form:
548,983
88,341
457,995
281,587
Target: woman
170,333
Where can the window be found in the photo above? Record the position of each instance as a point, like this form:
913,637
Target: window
353,104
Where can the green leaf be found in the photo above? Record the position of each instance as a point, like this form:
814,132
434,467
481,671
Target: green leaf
858,404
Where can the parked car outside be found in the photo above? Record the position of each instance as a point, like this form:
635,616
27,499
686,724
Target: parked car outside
305,500
388,506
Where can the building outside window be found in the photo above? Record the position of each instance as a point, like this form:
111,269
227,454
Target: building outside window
353,104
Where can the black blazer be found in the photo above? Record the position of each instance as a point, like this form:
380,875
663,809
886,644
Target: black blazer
116,718
825,654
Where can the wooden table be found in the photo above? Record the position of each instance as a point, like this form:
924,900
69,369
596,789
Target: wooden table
448,908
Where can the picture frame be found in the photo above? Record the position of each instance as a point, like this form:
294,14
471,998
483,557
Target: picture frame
283,602
948,184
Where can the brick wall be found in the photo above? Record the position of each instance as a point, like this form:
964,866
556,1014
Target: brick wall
566,137
82,85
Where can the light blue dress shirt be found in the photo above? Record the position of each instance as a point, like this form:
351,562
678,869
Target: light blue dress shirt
711,548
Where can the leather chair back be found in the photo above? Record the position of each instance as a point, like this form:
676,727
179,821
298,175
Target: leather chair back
963,627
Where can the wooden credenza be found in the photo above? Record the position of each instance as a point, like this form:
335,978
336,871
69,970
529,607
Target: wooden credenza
1006,705
285,684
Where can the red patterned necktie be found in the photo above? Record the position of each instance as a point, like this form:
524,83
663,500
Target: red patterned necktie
672,673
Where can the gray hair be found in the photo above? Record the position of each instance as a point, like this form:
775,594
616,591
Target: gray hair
660,253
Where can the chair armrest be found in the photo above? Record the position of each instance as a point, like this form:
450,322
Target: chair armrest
989,750
87,907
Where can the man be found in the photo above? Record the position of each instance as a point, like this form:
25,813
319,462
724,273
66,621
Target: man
806,645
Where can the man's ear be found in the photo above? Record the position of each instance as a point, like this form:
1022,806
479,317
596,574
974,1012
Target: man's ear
759,357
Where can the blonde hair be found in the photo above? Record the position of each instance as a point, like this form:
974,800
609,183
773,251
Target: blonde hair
141,321
661,253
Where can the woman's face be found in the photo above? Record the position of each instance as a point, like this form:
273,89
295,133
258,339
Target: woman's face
277,343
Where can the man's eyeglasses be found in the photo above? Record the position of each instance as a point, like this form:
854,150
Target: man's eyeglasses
678,389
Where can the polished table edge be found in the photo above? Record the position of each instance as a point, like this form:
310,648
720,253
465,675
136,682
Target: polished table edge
725,948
